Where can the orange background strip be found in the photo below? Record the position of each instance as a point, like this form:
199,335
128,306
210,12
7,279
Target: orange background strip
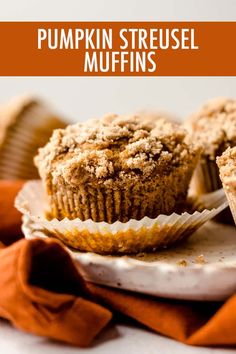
20,56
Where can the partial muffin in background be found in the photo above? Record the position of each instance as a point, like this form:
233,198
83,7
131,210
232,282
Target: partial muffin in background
213,127
227,166
117,168
25,125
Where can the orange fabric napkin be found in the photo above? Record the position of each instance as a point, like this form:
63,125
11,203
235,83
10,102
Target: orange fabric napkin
10,218
41,292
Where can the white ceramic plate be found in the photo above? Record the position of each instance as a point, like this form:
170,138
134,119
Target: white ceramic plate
202,268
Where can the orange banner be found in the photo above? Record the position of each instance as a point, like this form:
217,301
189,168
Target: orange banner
118,48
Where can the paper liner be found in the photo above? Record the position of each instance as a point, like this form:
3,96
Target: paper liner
130,237
232,202
105,204
206,179
31,130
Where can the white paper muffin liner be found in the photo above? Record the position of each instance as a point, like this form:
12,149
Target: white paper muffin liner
206,179
133,236
23,138
232,201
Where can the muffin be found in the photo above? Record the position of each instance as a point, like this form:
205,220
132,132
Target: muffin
117,168
214,127
227,166
25,125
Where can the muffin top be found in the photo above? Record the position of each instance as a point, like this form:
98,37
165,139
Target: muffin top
227,165
214,126
114,149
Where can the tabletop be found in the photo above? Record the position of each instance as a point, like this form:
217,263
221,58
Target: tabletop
123,338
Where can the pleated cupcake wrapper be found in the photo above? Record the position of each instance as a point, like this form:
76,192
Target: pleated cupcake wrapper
232,202
206,179
101,205
23,139
130,237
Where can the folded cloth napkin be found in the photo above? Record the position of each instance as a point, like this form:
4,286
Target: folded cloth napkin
41,292
10,218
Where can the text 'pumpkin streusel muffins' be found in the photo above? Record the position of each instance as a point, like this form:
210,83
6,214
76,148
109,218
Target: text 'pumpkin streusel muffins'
227,167
117,168
25,125
214,127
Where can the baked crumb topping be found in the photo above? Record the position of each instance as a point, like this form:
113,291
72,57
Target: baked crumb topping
227,166
114,148
200,259
182,263
214,126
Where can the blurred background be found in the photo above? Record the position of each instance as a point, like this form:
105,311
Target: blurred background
82,98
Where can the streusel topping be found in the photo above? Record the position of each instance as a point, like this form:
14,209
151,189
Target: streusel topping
214,126
227,165
114,148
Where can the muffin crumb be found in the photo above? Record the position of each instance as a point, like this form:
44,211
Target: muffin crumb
182,263
200,259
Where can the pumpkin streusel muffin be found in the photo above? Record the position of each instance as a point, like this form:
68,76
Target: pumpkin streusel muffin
117,168
25,125
214,127
227,166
